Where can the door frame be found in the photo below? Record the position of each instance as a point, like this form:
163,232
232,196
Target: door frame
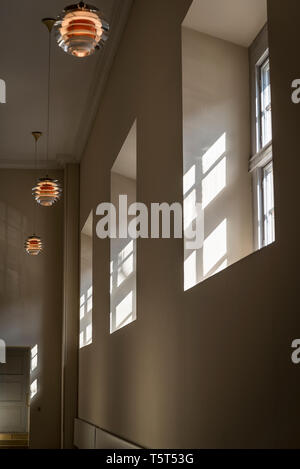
27,361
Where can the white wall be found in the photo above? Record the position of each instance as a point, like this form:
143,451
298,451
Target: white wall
216,129
207,368
123,261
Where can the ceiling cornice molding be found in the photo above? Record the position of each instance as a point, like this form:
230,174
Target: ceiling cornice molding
42,165
120,17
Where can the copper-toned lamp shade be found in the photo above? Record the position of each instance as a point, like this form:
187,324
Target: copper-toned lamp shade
47,191
80,30
33,245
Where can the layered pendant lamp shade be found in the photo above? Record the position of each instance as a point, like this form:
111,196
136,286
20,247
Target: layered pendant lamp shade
47,190
80,30
34,244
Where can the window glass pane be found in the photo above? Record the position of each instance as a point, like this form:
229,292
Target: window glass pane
269,213
266,117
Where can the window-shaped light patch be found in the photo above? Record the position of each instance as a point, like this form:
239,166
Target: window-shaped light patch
2,92
124,311
214,183
214,153
88,334
34,358
189,180
189,207
190,271
81,339
123,251
125,263
86,310
215,248
111,276
82,306
86,283
90,299
33,388
221,267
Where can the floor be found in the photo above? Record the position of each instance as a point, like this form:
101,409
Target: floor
14,440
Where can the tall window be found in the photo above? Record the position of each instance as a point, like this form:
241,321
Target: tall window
268,204
264,101
261,163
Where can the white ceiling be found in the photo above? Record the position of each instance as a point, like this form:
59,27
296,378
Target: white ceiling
75,89
125,164
237,21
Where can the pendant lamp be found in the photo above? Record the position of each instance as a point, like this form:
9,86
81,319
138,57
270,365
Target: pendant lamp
34,244
80,30
47,190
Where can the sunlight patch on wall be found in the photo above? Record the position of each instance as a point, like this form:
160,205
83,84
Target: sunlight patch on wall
34,362
214,153
190,271
214,183
217,192
34,358
33,389
189,180
2,91
203,183
124,311
189,207
215,248
86,284
123,251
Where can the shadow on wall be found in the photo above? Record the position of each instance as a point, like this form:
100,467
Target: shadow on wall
86,283
123,251
210,175
122,283
13,226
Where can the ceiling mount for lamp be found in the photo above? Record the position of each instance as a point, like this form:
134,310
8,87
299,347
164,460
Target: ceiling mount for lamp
49,23
36,135
80,30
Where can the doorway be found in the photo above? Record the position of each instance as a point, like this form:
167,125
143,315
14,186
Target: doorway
15,398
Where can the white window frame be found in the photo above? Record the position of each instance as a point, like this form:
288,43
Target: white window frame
260,145
263,156
268,213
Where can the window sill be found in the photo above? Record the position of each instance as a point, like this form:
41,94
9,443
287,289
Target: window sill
262,158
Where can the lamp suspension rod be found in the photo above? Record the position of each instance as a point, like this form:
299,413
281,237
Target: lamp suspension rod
49,23
36,136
